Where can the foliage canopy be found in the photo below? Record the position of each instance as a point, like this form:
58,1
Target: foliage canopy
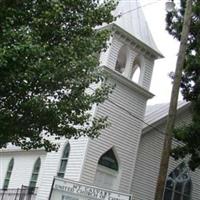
190,84
48,58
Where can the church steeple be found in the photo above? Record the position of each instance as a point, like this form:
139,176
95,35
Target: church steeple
133,51
130,18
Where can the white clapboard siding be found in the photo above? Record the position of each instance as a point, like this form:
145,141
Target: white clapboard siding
148,159
104,55
148,69
76,158
22,168
195,185
113,52
147,64
49,171
147,166
52,163
123,133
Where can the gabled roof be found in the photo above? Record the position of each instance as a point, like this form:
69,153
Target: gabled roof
133,21
155,113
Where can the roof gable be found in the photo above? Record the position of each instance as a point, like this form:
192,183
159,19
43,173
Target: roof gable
156,113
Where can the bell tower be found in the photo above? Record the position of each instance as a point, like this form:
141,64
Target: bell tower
132,51
129,62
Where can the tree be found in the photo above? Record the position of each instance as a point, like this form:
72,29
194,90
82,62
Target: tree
190,84
48,59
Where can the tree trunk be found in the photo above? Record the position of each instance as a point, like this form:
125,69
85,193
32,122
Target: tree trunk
173,104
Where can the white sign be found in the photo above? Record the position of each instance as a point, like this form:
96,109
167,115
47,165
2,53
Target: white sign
63,189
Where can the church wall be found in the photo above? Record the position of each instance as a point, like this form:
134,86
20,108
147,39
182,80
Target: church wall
76,159
50,167
147,164
52,163
196,185
22,169
104,55
113,52
123,133
24,162
148,70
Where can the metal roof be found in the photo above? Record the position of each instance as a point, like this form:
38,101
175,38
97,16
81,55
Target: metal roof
132,20
156,112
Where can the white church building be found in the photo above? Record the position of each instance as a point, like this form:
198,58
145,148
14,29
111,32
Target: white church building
126,155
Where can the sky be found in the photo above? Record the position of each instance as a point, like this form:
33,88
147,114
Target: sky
161,84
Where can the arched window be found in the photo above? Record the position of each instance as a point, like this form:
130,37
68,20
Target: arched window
63,162
121,59
178,184
8,174
136,68
107,171
34,175
109,160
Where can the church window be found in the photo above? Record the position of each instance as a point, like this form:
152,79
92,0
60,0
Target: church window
109,160
178,184
63,162
107,171
121,60
8,174
34,175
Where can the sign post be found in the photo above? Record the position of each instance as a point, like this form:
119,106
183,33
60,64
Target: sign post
63,189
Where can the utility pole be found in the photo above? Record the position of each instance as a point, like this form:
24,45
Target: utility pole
173,104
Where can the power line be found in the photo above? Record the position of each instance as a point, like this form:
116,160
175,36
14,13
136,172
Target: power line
138,118
131,114
134,116
137,8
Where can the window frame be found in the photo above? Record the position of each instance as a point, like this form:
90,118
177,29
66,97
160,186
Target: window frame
113,157
63,159
183,170
8,174
107,176
35,171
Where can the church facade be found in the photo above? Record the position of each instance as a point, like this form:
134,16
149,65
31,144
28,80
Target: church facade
126,155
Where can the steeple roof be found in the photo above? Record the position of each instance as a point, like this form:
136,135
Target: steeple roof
132,20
